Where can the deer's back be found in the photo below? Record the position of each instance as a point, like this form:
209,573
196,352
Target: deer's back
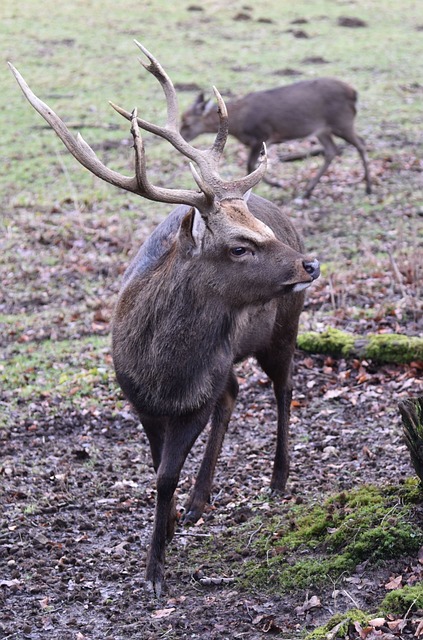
292,111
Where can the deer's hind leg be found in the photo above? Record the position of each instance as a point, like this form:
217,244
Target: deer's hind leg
330,151
349,135
276,362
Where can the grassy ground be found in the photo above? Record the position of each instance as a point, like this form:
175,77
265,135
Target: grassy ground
66,237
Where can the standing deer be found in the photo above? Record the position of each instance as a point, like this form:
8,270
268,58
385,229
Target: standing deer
221,278
323,107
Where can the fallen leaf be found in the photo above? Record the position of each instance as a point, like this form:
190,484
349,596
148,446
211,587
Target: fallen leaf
395,625
177,600
311,603
377,622
394,583
363,632
333,393
162,613
419,630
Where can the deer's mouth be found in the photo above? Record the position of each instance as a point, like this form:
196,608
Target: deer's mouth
300,286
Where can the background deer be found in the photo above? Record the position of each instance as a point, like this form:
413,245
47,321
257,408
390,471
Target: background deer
323,107
220,279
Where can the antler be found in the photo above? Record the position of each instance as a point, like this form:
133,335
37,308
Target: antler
87,157
208,179
207,160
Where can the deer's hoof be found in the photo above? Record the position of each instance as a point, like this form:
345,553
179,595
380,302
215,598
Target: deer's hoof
191,516
156,588
155,578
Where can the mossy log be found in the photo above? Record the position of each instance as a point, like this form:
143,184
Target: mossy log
412,420
387,347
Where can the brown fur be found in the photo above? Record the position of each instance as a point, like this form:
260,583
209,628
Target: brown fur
186,313
323,107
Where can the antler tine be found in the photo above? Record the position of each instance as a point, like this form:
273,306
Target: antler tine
145,187
156,69
205,188
170,135
222,133
85,155
244,184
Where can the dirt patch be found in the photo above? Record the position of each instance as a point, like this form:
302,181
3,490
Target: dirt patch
287,72
315,60
352,23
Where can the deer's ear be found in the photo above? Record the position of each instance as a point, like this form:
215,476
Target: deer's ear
210,105
191,232
199,103
246,195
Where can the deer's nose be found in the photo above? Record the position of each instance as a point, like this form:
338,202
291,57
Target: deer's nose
312,267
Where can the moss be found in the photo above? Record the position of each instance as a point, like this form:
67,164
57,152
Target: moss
339,624
394,348
398,602
380,348
325,541
332,342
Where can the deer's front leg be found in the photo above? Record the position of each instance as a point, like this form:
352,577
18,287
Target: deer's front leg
178,439
219,424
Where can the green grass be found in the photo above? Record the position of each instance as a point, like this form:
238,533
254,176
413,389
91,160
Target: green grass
367,524
51,376
402,601
79,55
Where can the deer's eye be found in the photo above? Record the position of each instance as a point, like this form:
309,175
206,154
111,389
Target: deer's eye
238,251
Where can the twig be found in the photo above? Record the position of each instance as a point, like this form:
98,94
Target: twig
332,292
253,534
355,603
409,608
193,535
215,581
397,273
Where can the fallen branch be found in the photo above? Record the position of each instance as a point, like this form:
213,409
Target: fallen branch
387,347
200,577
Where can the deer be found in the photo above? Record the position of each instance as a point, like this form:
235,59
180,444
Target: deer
322,107
221,278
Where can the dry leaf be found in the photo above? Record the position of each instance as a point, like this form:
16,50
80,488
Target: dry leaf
394,583
377,622
311,603
177,600
162,613
362,632
419,630
333,393
395,625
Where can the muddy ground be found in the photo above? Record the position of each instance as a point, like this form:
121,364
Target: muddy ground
78,497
